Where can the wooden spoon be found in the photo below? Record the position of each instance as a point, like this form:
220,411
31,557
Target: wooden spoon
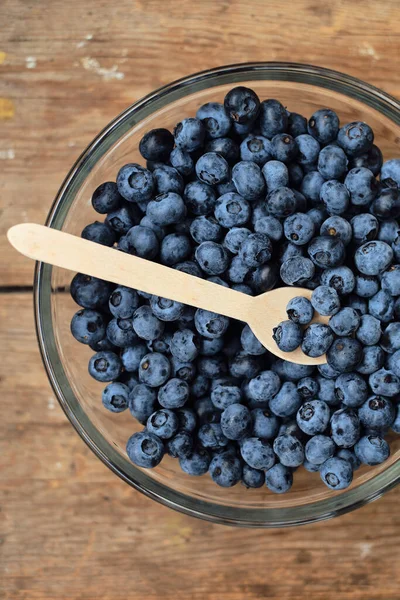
262,312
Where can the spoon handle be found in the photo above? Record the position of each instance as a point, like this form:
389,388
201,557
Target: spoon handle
70,252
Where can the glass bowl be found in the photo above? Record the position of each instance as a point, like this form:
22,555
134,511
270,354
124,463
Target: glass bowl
301,88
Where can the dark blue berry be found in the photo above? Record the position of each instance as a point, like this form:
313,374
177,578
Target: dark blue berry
135,183
289,450
317,340
105,366
337,473
355,138
145,449
212,168
372,450
154,369
190,134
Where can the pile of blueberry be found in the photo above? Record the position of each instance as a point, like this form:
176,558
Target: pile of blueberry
250,196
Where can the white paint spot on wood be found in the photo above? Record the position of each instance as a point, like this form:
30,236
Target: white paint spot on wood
89,36
8,154
51,403
368,50
81,44
93,65
58,465
365,549
71,144
30,62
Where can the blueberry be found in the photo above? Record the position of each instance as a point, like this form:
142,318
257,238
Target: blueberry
326,251
387,204
359,304
255,250
209,324
146,222
365,228
376,414
336,473
238,270
145,449
156,145
121,220
317,340
146,325
287,401
205,229
180,445
308,388
279,479
101,233
313,417
311,467
123,302
264,386
297,271
338,227
300,310
335,197
236,421
168,179
355,138
252,478
390,341
234,238
273,118
308,149
361,185
115,397
372,450
311,186
339,278
256,148
142,242
90,292
396,248
366,286
206,411
391,168
132,355
182,161
184,345
210,436
225,469
211,168
325,300
211,347
197,463
390,281
263,278
332,162
212,366
324,125
200,198
257,453
372,359
135,183
345,322
384,382
328,372
345,354
248,179
350,456
142,402
299,228
232,210
175,248
225,394
103,344
265,424
287,335
200,386
242,105
166,310
173,394
283,147
369,331
190,134
326,391
372,160
396,422
345,426
281,202
297,124
215,119
319,449
187,419
276,175
381,306
163,423
271,226
154,369
212,258
166,209
289,450
106,198
225,147
250,344
351,389
105,366
318,215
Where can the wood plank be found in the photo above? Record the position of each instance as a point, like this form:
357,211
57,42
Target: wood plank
71,529
54,96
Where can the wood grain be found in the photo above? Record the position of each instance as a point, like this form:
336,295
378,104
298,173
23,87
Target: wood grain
69,528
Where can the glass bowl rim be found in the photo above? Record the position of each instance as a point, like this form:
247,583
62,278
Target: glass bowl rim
218,513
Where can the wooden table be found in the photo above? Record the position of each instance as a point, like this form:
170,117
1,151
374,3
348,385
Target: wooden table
69,528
